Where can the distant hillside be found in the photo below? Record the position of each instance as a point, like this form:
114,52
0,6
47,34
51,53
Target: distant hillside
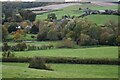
21,5
104,0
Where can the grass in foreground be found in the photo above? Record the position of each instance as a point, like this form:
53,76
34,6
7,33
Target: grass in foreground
98,52
20,70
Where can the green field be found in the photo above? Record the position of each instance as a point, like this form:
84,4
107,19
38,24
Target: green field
61,70
20,70
74,11
102,19
98,52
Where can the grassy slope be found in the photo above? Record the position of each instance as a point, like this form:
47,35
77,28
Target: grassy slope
99,52
20,70
102,19
74,11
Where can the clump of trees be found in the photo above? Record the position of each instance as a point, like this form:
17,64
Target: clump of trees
66,43
14,12
27,15
81,31
39,63
51,17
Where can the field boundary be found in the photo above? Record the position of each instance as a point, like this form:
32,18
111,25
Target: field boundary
67,60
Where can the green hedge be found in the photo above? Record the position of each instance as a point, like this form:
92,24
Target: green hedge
67,60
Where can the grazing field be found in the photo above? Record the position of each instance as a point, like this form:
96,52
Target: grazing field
98,52
57,48
102,19
21,70
74,10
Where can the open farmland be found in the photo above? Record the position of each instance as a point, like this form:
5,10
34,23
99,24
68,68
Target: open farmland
102,19
21,70
74,11
99,52
60,42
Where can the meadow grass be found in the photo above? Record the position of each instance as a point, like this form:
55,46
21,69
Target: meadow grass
102,19
21,70
97,52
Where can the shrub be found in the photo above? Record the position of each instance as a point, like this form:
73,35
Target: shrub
38,63
8,54
17,36
80,8
21,46
34,29
49,46
67,60
44,47
33,36
41,36
51,17
4,33
104,38
66,43
118,40
52,35
12,27
5,47
84,40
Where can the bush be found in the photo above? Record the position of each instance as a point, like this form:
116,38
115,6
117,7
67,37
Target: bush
44,47
41,36
34,29
5,47
66,43
38,63
80,8
104,38
20,46
84,40
52,35
8,54
33,36
12,27
51,17
67,60
118,40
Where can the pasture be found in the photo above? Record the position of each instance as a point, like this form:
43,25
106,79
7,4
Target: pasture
102,19
21,70
98,52
65,70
